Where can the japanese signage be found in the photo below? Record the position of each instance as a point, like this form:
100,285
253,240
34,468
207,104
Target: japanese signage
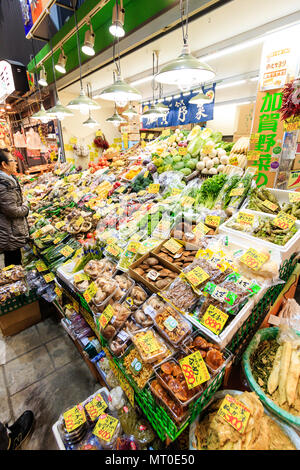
182,112
74,418
214,319
235,413
7,83
194,370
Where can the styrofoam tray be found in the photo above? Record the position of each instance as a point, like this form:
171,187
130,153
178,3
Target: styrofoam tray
55,430
282,196
292,246
65,273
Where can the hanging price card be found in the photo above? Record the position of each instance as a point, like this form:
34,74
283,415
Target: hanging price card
212,221
58,291
105,427
270,205
284,221
172,245
294,197
153,188
114,249
187,201
81,277
201,228
74,418
40,266
214,319
236,192
96,407
235,413
233,161
150,136
253,259
146,174
143,135
66,251
182,150
49,277
166,132
196,276
106,316
175,191
245,218
133,247
90,292
76,306
121,189
194,370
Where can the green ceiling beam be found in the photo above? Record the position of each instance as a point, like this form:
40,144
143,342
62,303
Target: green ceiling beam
137,13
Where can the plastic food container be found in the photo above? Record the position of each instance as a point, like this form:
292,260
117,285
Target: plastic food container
127,443
153,305
177,412
109,445
117,321
138,370
192,394
125,292
114,287
104,394
149,344
172,325
119,344
137,297
227,355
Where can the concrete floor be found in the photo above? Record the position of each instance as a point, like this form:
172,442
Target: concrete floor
41,370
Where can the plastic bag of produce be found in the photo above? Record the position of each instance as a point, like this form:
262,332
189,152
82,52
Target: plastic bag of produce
195,146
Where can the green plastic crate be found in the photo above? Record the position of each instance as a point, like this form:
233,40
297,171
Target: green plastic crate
16,302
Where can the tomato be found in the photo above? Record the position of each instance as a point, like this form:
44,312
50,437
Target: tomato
89,235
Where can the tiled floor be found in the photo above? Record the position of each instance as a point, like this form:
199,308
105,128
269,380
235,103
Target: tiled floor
41,370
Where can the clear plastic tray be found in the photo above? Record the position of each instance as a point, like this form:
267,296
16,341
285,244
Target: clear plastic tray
180,420
113,320
152,355
175,325
130,300
195,393
126,292
227,355
148,305
125,342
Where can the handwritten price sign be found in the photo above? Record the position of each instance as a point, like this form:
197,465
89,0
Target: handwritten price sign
105,427
74,418
194,370
106,316
66,251
253,259
172,245
214,319
284,221
245,218
153,188
212,221
96,407
90,292
196,276
235,413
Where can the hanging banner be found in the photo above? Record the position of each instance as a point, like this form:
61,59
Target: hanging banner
182,112
26,14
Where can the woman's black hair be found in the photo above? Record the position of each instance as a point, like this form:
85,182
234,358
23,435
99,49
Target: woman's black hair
4,156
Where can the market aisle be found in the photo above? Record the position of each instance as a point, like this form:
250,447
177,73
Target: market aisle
44,372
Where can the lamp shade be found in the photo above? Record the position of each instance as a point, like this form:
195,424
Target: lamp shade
152,113
90,122
43,77
59,111
120,92
83,103
130,112
89,41
116,119
185,72
42,115
61,63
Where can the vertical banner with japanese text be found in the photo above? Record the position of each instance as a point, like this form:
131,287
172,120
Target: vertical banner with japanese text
182,112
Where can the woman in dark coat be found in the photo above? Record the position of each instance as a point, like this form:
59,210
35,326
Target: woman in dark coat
13,224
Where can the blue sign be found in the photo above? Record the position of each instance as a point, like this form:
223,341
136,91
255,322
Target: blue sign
182,112
26,14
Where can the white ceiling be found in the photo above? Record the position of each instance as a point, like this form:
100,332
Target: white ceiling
236,17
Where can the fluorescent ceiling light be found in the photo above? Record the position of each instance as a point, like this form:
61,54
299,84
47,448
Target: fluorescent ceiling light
232,49
141,80
230,84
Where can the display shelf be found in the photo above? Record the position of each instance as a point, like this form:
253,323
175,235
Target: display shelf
17,302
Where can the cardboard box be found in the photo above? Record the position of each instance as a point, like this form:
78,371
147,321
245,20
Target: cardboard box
18,320
244,116
135,137
236,136
296,162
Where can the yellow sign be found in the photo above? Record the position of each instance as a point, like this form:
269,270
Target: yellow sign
284,221
212,221
235,413
49,277
236,192
114,249
166,132
294,197
11,266
182,150
187,201
214,319
196,276
172,245
66,251
90,292
105,427
96,407
106,316
253,259
58,291
148,343
233,161
40,266
81,277
201,228
153,188
146,174
74,418
245,218
194,370
175,191
270,205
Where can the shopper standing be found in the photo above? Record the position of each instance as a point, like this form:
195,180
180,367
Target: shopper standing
13,224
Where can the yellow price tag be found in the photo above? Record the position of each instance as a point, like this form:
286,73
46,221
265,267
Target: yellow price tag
284,221
150,136
235,413
270,205
153,188
96,407
90,292
236,192
49,277
114,249
212,221
105,427
81,277
196,276
146,174
214,319
294,197
233,161
143,135
194,370
182,150
148,343
172,245
40,266
66,251
58,291
253,259
175,191
74,418
11,266
245,218
187,201
106,316
201,228
166,132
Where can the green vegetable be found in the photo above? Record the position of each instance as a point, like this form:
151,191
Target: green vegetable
195,146
186,171
209,191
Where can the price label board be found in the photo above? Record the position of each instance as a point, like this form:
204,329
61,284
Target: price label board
175,191
245,218
66,251
11,266
58,291
114,249
253,259
166,132
212,221
233,161
201,228
146,174
153,188
236,192
270,205
284,221
148,343
235,413
194,370
214,319
49,277
40,266
81,277
74,418
106,316
187,201
60,224
172,245
96,407
105,427
90,292
196,276
182,150
294,197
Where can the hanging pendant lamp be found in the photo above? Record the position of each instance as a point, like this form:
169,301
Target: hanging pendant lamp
161,108
42,115
130,112
116,119
200,99
186,71
152,113
90,122
82,103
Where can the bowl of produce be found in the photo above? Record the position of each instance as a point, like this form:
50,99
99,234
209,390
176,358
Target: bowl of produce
272,370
